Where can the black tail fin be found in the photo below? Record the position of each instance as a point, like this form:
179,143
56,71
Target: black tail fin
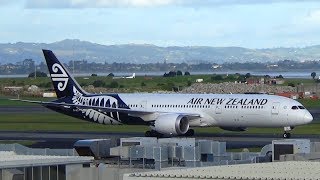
63,82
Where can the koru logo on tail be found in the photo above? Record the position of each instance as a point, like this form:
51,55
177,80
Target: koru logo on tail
61,77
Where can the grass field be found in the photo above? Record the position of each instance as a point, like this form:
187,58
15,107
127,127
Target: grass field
57,122
22,142
140,83
310,103
5,101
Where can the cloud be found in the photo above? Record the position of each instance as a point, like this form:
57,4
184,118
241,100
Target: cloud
96,3
313,17
145,3
7,2
307,21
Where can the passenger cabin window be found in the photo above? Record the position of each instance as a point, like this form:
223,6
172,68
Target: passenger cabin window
294,107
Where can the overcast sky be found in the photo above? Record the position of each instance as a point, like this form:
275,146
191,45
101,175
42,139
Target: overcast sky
244,23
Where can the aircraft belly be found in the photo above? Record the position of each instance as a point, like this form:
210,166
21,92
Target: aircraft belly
265,120
280,119
255,120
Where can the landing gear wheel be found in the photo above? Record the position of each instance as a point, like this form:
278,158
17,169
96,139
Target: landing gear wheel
190,132
286,135
147,134
153,133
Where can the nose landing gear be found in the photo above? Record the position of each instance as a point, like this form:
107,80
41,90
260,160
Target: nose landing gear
286,133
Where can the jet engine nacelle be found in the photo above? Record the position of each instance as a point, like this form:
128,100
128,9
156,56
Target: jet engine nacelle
171,124
234,128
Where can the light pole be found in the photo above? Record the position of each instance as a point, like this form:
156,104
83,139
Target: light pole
35,70
73,58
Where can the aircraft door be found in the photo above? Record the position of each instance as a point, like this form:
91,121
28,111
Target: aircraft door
275,108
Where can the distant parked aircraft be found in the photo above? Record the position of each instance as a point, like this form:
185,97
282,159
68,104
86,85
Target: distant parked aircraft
172,114
130,77
125,77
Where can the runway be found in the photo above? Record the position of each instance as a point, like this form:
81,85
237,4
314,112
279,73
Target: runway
47,139
24,109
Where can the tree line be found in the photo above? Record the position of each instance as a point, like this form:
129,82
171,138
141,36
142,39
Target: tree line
28,65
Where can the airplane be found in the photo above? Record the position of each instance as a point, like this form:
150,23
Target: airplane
172,114
125,77
131,77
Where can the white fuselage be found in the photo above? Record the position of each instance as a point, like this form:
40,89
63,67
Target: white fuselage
224,110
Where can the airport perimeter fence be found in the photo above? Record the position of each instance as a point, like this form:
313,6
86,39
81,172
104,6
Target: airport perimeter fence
23,150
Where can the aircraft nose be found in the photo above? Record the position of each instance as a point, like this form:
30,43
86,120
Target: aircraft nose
307,117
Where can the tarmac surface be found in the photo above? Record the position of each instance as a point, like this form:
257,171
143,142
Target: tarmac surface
53,139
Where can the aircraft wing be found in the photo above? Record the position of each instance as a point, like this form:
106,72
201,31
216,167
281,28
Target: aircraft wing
106,109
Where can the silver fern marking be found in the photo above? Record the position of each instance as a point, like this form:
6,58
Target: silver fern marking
102,101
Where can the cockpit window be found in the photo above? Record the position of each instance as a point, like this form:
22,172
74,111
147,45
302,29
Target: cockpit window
301,107
294,107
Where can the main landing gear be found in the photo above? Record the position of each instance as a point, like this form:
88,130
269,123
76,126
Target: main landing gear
286,134
190,132
152,133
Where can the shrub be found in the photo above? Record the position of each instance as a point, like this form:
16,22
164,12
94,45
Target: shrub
98,83
217,78
110,75
38,74
171,74
114,84
291,84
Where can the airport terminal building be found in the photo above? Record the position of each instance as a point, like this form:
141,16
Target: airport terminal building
140,158
37,167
